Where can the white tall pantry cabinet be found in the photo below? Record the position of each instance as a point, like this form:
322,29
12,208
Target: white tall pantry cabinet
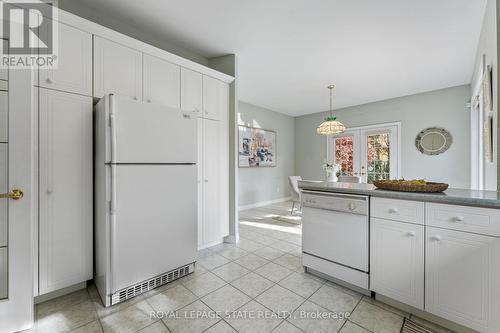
90,66
65,189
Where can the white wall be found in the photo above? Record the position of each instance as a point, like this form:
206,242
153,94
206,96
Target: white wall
256,185
488,46
444,108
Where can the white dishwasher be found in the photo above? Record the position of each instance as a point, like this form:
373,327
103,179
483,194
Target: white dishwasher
335,235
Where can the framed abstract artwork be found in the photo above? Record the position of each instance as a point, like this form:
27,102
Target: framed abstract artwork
256,147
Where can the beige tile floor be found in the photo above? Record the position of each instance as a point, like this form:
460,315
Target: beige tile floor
261,279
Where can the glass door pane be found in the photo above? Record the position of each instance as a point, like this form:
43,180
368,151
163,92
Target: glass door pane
378,157
344,153
379,153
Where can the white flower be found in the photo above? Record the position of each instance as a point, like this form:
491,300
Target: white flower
331,167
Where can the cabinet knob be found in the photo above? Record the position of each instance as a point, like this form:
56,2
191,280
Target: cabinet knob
436,238
458,219
50,190
411,233
352,206
135,98
206,180
48,80
393,210
148,100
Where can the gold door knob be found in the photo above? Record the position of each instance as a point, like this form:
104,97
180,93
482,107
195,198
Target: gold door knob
15,194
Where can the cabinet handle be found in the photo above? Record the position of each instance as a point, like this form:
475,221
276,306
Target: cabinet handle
352,206
135,98
50,190
458,219
411,233
393,210
206,180
149,101
436,238
48,80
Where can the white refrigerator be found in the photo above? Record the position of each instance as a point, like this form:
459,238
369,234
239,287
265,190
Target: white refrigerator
146,196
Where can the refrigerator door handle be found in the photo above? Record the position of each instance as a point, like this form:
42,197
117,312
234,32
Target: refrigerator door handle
113,154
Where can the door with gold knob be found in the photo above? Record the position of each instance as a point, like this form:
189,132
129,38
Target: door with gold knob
17,176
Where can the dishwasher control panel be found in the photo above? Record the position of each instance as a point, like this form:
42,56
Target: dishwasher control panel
355,204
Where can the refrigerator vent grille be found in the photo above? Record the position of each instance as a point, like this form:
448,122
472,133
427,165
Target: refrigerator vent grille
150,284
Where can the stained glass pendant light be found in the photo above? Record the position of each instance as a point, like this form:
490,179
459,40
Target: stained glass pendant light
330,126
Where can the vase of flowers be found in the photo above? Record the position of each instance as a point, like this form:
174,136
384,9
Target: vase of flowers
331,170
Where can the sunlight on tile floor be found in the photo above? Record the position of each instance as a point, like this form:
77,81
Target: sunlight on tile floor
261,275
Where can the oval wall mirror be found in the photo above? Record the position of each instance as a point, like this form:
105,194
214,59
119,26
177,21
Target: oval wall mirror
433,141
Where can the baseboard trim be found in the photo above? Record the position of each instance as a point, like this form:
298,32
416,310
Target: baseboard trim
59,292
263,203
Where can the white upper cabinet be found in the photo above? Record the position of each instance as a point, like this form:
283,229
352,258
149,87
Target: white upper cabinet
191,91
117,69
65,189
397,261
74,63
162,81
215,98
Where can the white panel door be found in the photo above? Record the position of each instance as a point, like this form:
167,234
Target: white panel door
117,69
200,181
4,264
191,91
162,82
215,215
4,187
65,192
74,63
16,259
4,120
397,261
461,278
154,226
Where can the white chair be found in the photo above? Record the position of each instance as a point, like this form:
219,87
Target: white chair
349,179
294,191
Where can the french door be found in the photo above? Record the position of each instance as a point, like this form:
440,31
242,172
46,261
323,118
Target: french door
371,152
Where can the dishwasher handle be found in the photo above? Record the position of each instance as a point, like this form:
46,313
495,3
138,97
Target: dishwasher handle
355,204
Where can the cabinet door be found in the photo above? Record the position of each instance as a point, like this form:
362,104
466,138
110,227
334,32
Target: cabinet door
191,91
117,69
397,261
74,62
461,278
162,81
215,198
200,182
213,98
65,189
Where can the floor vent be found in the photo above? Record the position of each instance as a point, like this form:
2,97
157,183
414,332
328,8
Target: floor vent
140,288
412,327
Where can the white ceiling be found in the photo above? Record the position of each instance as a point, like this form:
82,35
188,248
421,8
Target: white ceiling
290,50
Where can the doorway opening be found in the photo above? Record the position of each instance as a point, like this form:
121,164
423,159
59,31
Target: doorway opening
370,152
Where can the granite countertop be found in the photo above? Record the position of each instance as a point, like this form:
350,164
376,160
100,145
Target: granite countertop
489,199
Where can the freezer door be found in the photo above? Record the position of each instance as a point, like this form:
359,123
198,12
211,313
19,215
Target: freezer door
149,133
154,228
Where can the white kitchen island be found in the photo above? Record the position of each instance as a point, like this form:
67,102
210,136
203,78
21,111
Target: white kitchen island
435,253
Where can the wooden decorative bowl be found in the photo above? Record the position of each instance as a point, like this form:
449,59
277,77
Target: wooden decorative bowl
396,185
